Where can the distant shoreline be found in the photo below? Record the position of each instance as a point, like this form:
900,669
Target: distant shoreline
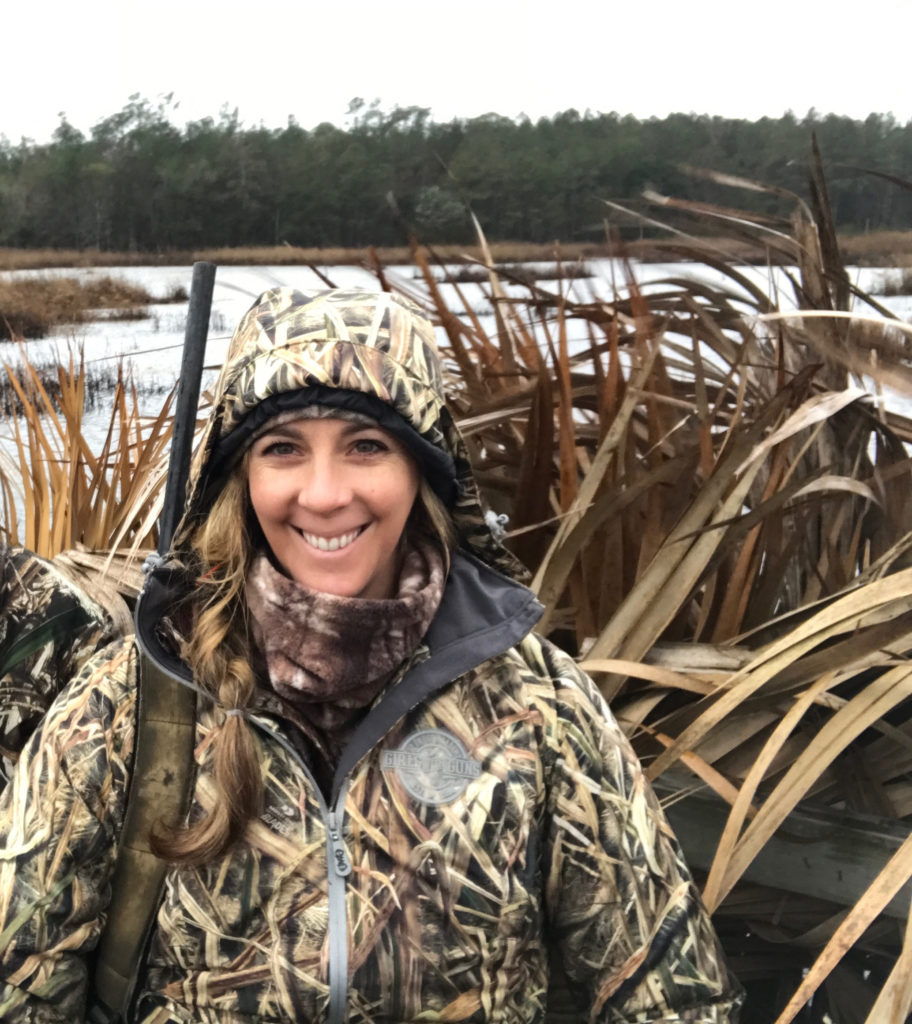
876,249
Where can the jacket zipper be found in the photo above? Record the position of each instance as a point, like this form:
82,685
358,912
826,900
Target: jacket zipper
338,868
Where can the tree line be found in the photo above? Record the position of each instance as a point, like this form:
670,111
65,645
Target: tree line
137,182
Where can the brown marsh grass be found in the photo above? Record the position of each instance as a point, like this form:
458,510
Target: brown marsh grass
518,273
878,248
31,307
98,382
279,255
64,498
289,255
893,283
717,515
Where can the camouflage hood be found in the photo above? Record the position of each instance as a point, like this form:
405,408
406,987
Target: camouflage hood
344,342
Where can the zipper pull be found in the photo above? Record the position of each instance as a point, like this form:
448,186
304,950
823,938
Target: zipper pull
340,857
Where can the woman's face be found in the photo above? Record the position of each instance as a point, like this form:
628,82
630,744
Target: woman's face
332,498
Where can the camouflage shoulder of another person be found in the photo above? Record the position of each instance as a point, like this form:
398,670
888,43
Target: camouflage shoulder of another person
48,630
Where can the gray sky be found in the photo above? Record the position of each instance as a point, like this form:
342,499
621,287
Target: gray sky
272,60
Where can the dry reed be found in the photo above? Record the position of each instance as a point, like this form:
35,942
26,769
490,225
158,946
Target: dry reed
717,515
32,307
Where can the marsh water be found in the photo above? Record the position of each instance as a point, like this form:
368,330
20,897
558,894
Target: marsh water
150,348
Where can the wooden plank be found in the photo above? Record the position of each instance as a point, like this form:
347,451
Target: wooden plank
820,852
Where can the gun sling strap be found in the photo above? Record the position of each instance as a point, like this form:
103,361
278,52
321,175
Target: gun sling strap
159,790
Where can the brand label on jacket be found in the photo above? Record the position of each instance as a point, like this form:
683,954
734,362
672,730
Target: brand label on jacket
432,766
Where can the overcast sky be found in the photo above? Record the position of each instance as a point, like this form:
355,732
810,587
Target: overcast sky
462,59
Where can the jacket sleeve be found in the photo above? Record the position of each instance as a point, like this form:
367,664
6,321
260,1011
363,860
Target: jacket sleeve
625,921
49,628
60,817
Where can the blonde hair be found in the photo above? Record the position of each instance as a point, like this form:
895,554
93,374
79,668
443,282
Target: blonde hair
431,519
219,653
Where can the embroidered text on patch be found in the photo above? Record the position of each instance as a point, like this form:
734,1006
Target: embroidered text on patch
432,765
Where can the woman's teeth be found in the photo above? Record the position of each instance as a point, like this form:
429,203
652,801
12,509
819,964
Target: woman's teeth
330,543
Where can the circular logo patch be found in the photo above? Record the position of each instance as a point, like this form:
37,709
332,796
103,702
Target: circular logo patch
432,765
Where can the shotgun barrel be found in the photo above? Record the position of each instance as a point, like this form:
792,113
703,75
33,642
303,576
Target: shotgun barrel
187,402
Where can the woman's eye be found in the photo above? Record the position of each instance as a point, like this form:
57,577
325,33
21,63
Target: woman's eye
278,448
369,446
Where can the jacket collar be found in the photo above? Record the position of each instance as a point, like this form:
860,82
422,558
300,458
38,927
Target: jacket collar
482,614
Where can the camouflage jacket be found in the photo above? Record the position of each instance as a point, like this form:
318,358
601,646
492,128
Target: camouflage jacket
488,801
48,628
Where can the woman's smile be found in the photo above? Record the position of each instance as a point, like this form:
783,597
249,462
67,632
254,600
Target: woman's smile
337,543
332,498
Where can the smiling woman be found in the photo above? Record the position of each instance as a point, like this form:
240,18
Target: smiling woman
407,806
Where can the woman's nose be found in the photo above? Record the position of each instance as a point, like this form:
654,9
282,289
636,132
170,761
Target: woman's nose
323,487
